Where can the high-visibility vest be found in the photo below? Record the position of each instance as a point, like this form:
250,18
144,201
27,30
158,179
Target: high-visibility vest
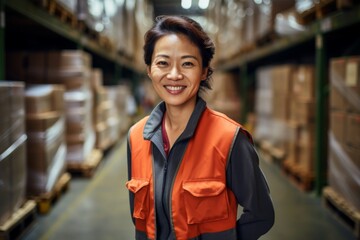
200,201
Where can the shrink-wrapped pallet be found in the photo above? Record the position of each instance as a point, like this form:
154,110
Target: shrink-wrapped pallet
46,144
344,144
12,149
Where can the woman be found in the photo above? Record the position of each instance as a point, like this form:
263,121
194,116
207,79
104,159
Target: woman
190,167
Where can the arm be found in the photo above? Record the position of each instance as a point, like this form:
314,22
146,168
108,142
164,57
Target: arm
249,185
131,194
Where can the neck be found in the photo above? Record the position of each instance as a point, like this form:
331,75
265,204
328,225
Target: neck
176,119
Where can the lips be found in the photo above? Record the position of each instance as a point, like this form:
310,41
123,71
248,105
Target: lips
175,89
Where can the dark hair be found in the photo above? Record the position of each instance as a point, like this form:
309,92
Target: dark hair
165,25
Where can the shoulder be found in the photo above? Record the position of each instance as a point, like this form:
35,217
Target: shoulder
224,121
220,117
138,127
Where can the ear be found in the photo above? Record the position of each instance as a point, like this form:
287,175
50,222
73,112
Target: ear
204,73
148,70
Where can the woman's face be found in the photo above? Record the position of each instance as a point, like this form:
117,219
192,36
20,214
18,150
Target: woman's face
176,70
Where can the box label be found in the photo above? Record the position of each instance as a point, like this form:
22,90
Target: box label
351,74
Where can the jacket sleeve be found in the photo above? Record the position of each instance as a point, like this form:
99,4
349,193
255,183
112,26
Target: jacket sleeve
246,180
131,194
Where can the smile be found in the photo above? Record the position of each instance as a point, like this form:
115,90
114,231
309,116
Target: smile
175,89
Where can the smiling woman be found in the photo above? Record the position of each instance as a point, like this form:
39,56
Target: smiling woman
189,166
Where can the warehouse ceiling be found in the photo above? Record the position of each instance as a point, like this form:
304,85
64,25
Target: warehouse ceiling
173,7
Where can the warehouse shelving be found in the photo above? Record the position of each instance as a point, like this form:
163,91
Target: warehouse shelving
63,33
333,36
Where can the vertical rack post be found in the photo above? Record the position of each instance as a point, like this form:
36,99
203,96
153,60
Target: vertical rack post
321,111
2,39
118,73
244,78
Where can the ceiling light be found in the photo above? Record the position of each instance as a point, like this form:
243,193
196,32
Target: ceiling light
203,4
186,4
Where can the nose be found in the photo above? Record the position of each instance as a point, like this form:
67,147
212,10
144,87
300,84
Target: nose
174,74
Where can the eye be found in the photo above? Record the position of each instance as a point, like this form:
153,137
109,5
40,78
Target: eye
188,64
161,63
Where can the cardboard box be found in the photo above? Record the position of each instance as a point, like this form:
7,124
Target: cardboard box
282,78
44,98
69,60
307,157
345,77
36,67
281,107
41,151
342,178
18,176
304,82
5,194
97,79
42,122
352,135
354,155
337,125
337,100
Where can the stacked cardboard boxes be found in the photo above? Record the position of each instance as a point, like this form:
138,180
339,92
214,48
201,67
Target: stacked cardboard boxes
45,128
224,95
344,134
123,106
282,80
12,149
263,104
301,150
285,113
72,69
106,115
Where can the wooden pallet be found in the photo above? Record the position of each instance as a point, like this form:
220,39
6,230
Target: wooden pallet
56,9
86,168
20,222
63,13
322,9
88,31
304,180
342,210
46,200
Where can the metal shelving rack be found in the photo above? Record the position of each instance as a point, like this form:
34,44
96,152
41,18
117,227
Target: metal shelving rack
318,35
34,13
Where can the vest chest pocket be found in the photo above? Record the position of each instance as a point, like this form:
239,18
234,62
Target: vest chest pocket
140,188
205,201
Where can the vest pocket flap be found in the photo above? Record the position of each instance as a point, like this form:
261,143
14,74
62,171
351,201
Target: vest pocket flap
204,188
134,185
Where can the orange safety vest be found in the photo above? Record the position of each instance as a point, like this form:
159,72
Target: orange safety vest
200,201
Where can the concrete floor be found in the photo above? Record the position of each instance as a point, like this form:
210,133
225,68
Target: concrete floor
97,208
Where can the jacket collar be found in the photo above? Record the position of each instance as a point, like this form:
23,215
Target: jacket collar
155,118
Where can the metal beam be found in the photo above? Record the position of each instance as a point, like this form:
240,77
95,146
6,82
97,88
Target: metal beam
2,39
321,94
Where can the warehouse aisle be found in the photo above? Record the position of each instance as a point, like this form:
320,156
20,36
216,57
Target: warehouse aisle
97,208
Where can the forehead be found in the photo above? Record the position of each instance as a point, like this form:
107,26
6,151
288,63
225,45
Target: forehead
174,43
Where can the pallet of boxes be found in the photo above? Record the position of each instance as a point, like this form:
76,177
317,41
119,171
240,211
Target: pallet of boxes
73,70
284,106
46,145
300,149
17,213
342,195
105,114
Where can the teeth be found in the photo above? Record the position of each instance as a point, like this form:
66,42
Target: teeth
174,88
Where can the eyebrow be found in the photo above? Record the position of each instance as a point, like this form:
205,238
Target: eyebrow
182,57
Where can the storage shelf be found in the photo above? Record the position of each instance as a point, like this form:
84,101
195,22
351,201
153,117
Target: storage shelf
337,21
38,15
